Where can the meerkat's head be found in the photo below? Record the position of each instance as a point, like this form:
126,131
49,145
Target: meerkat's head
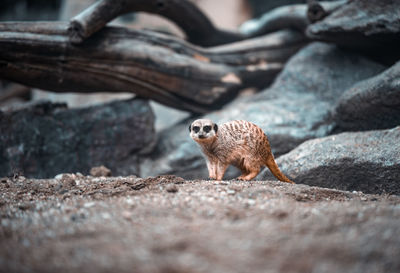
203,130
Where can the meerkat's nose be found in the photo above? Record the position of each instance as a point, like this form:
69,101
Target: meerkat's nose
202,136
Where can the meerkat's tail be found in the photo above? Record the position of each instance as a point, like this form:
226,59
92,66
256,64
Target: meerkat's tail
273,167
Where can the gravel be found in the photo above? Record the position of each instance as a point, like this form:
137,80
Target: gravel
168,224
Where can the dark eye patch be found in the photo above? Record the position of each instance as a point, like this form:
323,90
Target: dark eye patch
196,129
207,128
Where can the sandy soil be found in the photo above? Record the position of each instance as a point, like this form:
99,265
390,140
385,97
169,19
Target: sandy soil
165,224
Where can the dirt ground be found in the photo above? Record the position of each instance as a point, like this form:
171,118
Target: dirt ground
166,224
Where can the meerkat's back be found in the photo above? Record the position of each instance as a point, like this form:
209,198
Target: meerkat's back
243,135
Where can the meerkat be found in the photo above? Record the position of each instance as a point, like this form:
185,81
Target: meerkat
239,143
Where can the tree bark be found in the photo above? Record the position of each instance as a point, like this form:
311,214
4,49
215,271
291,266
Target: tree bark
292,16
197,27
14,91
152,65
316,11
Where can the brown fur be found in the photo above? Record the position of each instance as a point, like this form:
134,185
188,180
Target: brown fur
239,143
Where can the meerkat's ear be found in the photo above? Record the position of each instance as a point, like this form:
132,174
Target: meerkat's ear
215,127
190,127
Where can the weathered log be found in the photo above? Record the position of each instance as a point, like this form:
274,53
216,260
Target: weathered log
371,26
291,16
316,11
13,91
197,27
152,65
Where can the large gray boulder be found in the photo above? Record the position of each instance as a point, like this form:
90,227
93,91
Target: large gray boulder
371,26
363,161
371,104
296,108
46,139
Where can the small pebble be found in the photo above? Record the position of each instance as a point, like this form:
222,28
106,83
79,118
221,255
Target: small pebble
127,215
89,204
171,188
100,171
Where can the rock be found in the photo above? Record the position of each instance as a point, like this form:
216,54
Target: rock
171,188
45,139
295,108
68,180
371,104
100,171
58,176
362,161
369,25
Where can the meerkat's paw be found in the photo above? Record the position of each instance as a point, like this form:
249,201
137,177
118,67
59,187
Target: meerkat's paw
242,178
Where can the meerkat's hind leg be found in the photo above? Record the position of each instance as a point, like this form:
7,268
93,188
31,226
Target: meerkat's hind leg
245,171
249,170
244,174
253,172
243,168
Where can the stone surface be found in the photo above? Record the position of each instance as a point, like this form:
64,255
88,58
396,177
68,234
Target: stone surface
297,107
363,161
46,139
371,104
369,17
369,25
128,224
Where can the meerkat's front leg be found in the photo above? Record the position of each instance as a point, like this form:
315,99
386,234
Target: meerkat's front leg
212,169
221,168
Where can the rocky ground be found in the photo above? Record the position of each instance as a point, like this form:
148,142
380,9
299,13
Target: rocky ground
77,223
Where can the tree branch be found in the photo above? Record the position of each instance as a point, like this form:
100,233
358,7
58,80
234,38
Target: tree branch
316,11
149,64
295,17
197,27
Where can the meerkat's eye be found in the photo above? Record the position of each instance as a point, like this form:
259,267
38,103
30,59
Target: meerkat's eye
196,129
207,128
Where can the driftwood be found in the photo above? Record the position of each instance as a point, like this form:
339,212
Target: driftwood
292,16
152,65
14,91
197,27
316,11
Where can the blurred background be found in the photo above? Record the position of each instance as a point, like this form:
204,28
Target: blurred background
226,14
